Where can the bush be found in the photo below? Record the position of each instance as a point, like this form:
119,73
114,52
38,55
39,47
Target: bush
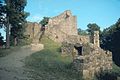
106,75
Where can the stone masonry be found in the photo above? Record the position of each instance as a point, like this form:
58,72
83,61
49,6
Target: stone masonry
88,57
33,31
64,28
60,28
92,60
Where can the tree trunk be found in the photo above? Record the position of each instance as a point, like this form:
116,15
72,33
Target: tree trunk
15,41
7,36
7,28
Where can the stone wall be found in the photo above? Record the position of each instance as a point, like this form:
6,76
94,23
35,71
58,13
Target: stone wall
62,26
88,57
33,31
66,22
93,60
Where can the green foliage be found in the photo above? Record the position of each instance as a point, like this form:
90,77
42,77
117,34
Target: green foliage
1,14
17,18
111,40
92,27
106,75
48,64
116,69
14,17
82,32
44,21
107,36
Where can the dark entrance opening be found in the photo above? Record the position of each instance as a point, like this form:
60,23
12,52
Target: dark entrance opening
79,49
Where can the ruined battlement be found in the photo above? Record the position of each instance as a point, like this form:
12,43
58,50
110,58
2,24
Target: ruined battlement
58,19
88,57
65,22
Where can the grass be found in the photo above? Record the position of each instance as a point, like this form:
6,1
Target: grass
48,64
4,52
116,69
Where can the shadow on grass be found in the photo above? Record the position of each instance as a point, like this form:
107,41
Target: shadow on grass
47,65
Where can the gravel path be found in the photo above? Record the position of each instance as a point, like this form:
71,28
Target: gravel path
12,66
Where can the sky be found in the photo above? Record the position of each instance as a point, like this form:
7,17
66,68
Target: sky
102,12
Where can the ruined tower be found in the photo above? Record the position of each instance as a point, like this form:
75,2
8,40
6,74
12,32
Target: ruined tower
33,31
96,41
62,26
94,38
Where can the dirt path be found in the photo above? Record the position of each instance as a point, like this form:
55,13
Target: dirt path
11,66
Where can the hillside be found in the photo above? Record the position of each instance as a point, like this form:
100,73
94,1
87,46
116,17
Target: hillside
48,64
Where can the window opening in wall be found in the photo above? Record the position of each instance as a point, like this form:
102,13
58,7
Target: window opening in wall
79,49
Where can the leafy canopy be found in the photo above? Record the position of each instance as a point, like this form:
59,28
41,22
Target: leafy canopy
92,27
44,21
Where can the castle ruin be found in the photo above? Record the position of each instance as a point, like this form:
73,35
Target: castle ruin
88,57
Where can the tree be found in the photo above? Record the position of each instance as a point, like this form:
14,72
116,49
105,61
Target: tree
82,32
1,22
111,40
92,27
1,14
106,37
44,21
14,19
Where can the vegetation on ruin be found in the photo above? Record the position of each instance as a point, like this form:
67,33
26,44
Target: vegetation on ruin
82,32
44,21
92,27
48,64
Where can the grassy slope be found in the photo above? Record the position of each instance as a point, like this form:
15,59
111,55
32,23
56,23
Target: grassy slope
116,69
48,64
5,52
